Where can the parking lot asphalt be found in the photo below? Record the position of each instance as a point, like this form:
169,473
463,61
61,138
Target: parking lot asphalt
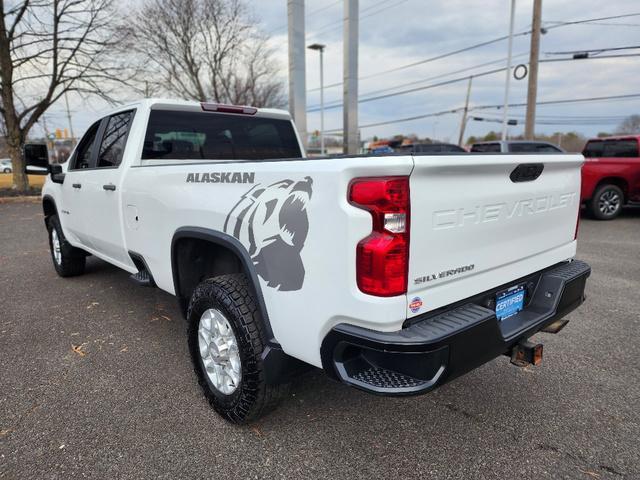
96,382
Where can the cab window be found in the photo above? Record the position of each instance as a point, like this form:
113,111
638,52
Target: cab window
188,135
114,140
486,147
82,157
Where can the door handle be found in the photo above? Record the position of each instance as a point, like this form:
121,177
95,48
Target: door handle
77,185
109,186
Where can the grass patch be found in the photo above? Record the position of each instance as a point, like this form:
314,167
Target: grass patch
6,182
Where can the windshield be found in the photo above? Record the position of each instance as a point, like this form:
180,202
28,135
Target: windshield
183,135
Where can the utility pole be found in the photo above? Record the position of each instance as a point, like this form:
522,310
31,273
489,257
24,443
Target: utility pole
48,141
505,109
297,80
66,101
320,48
534,54
463,124
350,78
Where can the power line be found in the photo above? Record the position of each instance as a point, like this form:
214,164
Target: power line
486,107
338,24
466,69
406,119
593,50
590,20
316,108
475,46
543,120
307,16
566,101
605,24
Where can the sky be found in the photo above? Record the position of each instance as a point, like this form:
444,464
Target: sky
394,33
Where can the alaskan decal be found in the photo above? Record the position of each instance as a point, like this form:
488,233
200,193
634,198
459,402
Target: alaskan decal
221,177
272,221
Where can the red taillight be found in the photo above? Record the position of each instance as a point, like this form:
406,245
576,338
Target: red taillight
382,258
218,107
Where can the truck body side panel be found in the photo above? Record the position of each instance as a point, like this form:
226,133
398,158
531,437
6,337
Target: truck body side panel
293,218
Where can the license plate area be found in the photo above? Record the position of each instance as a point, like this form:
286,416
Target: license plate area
509,302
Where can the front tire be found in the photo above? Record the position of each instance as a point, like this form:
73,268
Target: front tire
226,341
67,260
6,170
607,202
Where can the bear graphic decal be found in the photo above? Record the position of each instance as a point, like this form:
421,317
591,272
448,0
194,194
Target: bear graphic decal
272,221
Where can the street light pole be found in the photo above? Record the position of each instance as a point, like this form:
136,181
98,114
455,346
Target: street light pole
505,111
320,48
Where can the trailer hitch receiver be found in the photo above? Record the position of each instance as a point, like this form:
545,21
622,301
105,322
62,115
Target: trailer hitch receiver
526,353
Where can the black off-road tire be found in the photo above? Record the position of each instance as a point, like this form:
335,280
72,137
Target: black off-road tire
73,260
606,191
253,397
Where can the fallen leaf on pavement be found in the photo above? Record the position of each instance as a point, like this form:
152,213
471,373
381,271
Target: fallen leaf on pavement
590,473
78,349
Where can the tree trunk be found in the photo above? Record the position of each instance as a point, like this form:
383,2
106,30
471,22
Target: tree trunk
15,144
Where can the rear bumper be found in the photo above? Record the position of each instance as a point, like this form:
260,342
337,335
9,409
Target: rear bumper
439,346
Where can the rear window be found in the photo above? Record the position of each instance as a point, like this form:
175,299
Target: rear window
611,148
532,147
486,147
201,135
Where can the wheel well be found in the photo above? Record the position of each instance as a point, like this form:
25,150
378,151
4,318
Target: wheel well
619,182
199,253
196,259
49,208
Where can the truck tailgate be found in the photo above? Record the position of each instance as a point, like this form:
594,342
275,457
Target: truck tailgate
474,228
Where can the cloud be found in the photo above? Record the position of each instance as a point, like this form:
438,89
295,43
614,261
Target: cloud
397,32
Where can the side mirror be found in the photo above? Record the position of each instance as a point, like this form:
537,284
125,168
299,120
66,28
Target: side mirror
36,159
57,176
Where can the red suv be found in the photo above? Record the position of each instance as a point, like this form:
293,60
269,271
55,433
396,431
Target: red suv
611,175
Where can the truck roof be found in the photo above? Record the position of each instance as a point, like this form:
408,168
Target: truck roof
176,104
615,137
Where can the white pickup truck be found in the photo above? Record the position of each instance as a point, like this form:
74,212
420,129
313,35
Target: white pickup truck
394,274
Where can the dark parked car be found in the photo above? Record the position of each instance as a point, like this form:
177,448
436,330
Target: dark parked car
430,148
516,146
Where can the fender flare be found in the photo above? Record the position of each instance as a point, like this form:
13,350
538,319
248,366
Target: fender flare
234,245
46,198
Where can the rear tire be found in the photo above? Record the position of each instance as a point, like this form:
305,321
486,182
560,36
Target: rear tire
243,395
6,170
606,203
67,260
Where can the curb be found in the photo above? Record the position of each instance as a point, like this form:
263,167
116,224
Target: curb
20,199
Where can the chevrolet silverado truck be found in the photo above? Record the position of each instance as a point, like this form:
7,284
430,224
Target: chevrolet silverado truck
394,274
611,175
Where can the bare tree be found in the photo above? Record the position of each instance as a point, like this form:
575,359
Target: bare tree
205,50
47,48
629,125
